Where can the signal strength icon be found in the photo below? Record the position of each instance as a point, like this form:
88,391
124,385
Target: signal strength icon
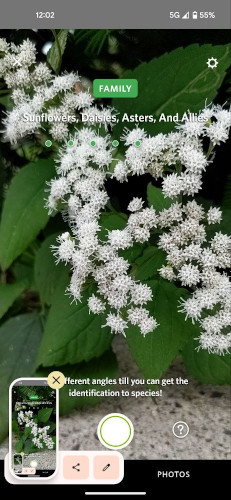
186,16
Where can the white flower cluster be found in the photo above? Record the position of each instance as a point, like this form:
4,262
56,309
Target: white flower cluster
40,433
178,158
185,147
191,263
199,266
80,191
33,89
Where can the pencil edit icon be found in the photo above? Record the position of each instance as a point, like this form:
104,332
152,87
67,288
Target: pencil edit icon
106,467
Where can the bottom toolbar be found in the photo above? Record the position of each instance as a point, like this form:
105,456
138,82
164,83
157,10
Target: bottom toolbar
80,467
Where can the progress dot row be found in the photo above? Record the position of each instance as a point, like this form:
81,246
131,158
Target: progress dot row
71,143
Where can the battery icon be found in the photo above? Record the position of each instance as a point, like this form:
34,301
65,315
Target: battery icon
194,14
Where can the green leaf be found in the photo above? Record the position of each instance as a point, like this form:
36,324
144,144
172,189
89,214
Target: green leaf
172,83
226,199
95,39
132,253
156,351
156,198
24,272
110,221
99,368
19,446
19,339
14,426
8,294
27,446
71,333
23,213
205,367
26,433
149,263
48,274
54,55
52,426
44,414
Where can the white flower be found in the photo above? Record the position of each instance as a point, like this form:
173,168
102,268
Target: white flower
168,216
119,239
148,325
140,294
96,305
221,243
22,78
189,275
192,308
223,116
208,258
148,217
141,234
193,210
19,96
195,161
37,442
83,100
140,317
41,74
217,133
172,185
191,183
215,344
131,136
137,314
135,205
167,272
191,128
65,82
116,323
59,187
117,266
26,53
121,172
214,215
65,250
192,252
75,287
59,131
4,46
34,430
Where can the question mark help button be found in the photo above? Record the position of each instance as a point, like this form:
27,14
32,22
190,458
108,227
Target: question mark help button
180,429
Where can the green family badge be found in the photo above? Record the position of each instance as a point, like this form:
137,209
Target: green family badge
117,87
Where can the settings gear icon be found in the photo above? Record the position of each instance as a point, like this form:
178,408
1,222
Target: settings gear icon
212,62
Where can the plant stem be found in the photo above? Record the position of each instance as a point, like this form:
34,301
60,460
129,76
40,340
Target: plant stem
210,149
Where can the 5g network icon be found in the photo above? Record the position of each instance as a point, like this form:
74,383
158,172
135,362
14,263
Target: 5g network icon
174,15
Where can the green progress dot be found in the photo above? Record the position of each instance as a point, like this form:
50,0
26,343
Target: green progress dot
70,143
48,143
137,143
93,143
115,144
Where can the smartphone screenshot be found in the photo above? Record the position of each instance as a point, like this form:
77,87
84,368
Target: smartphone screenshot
32,429
115,246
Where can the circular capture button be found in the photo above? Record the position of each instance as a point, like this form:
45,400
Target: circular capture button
115,431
